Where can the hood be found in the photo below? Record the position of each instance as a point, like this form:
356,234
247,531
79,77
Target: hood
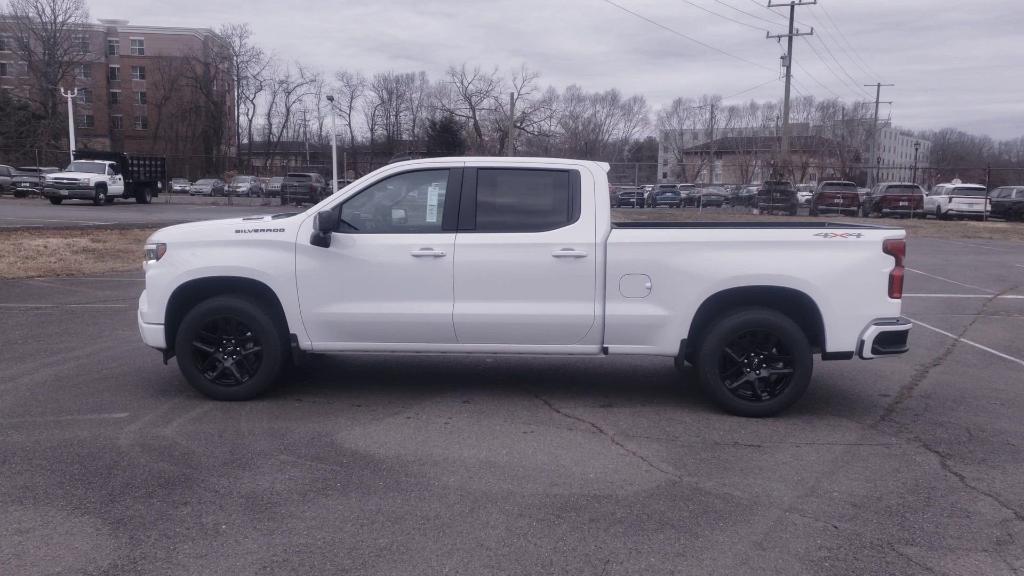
78,175
270,225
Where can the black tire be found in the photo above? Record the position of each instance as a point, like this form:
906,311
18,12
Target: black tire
19,194
144,195
938,213
99,197
228,348
56,201
767,353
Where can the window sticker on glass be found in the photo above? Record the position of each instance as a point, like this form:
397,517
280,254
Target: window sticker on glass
432,194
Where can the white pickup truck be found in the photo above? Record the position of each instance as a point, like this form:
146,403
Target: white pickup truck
519,256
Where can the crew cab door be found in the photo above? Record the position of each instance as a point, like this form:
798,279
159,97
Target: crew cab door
526,256
386,277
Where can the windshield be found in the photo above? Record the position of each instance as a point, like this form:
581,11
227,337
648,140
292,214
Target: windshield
204,182
90,167
179,181
968,192
904,189
839,187
241,179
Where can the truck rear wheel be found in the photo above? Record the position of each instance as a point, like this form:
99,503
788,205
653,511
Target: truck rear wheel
754,362
228,348
144,195
56,201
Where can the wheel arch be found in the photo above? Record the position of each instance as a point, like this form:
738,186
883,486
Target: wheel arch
793,303
189,294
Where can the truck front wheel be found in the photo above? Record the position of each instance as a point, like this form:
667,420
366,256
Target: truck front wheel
754,362
56,201
99,197
228,348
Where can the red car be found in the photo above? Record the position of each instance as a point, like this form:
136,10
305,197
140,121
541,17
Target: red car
894,199
837,197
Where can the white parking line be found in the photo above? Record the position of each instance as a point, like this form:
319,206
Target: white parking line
966,341
986,296
950,281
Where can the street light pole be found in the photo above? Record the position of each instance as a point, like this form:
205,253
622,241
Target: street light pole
334,146
71,121
917,148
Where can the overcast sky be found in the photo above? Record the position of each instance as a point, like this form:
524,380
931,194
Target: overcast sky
954,62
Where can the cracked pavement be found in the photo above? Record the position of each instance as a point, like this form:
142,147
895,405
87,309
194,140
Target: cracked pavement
368,464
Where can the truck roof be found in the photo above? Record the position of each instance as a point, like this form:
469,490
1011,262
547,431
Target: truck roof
501,160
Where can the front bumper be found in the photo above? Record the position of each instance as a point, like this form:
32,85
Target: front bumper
884,338
76,192
152,334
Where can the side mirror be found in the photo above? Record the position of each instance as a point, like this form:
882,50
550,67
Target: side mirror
324,224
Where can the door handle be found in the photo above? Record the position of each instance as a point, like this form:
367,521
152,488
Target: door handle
569,253
427,253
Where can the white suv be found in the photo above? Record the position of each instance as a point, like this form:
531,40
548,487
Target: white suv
957,201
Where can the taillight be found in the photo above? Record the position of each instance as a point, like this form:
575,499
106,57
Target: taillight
898,250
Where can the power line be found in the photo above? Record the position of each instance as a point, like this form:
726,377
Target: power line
843,81
741,11
681,35
816,81
772,81
723,16
838,63
861,63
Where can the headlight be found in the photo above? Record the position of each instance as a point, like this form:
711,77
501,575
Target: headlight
155,252
84,182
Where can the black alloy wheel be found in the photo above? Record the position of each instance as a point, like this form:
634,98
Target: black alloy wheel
226,351
756,366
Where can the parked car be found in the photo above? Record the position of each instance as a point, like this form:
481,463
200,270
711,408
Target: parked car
665,195
956,200
207,187
835,196
804,192
894,199
180,185
541,269
303,187
274,186
29,180
745,196
629,196
776,197
689,194
102,177
6,178
244,186
712,197
1008,202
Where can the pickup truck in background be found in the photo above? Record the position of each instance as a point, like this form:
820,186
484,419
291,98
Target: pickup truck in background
519,256
836,196
103,177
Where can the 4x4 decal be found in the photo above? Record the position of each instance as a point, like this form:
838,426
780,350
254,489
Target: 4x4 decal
840,234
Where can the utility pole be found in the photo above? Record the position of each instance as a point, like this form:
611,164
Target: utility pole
874,130
511,123
793,33
334,147
71,121
711,146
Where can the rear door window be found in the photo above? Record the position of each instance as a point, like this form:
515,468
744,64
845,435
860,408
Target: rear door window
525,200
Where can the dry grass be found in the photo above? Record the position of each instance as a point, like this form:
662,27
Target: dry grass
931,228
37,253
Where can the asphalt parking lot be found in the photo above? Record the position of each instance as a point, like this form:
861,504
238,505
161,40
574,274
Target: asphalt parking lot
38,213
493,465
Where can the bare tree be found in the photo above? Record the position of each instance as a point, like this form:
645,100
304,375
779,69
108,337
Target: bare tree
49,36
350,88
249,64
286,91
469,95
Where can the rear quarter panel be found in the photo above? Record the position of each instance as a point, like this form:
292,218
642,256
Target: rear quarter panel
845,275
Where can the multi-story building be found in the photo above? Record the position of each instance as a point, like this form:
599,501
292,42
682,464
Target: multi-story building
139,87
898,153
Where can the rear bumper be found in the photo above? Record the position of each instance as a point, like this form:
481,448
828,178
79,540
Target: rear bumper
835,208
884,338
901,211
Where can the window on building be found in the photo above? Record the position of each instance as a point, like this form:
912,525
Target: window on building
138,47
115,96
140,97
84,96
141,122
517,200
138,72
84,72
86,121
80,43
22,69
114,73
113,46
6,69
6,44
117,122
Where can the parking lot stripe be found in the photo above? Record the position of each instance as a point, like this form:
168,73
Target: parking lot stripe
986,296
966,341
950,281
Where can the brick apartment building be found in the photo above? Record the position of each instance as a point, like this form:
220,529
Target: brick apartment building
143,89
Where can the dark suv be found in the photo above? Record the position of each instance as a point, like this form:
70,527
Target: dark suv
629,196
666,195
777,197
28,180
303,187
836,196
894,199
1008,202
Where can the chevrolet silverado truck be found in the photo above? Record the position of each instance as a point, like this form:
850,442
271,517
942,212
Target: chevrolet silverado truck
102,177
519,256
